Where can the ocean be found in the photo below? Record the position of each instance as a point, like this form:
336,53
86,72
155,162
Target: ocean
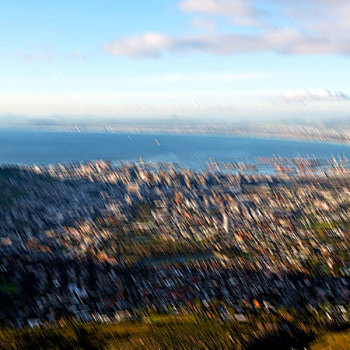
25,147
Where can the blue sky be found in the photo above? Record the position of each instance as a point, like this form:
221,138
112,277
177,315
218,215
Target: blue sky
228,59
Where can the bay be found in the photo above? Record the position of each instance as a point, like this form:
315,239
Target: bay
26,147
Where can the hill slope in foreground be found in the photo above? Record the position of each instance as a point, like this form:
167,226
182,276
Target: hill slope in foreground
158,333
332,341
165,333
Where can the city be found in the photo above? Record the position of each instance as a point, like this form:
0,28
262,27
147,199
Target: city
95,242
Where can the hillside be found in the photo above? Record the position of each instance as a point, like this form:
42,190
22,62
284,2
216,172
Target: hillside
332,341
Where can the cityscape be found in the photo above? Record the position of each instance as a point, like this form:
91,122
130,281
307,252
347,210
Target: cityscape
94,242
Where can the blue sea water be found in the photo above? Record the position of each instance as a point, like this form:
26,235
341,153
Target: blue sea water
26,147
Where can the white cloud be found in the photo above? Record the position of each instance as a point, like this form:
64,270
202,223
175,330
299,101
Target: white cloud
222,7
309,27
280,41
314,95
240,11
145,45
159,103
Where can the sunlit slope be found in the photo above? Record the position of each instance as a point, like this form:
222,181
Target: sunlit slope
333,341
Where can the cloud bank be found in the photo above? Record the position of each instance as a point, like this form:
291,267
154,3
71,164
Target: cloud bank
314,95
300,27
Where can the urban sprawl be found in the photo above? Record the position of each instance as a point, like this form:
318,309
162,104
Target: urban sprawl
97,242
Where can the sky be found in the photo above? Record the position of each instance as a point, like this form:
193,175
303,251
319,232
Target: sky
196,59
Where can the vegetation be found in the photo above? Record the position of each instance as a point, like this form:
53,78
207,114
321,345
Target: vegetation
154,333
332,341
159,334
